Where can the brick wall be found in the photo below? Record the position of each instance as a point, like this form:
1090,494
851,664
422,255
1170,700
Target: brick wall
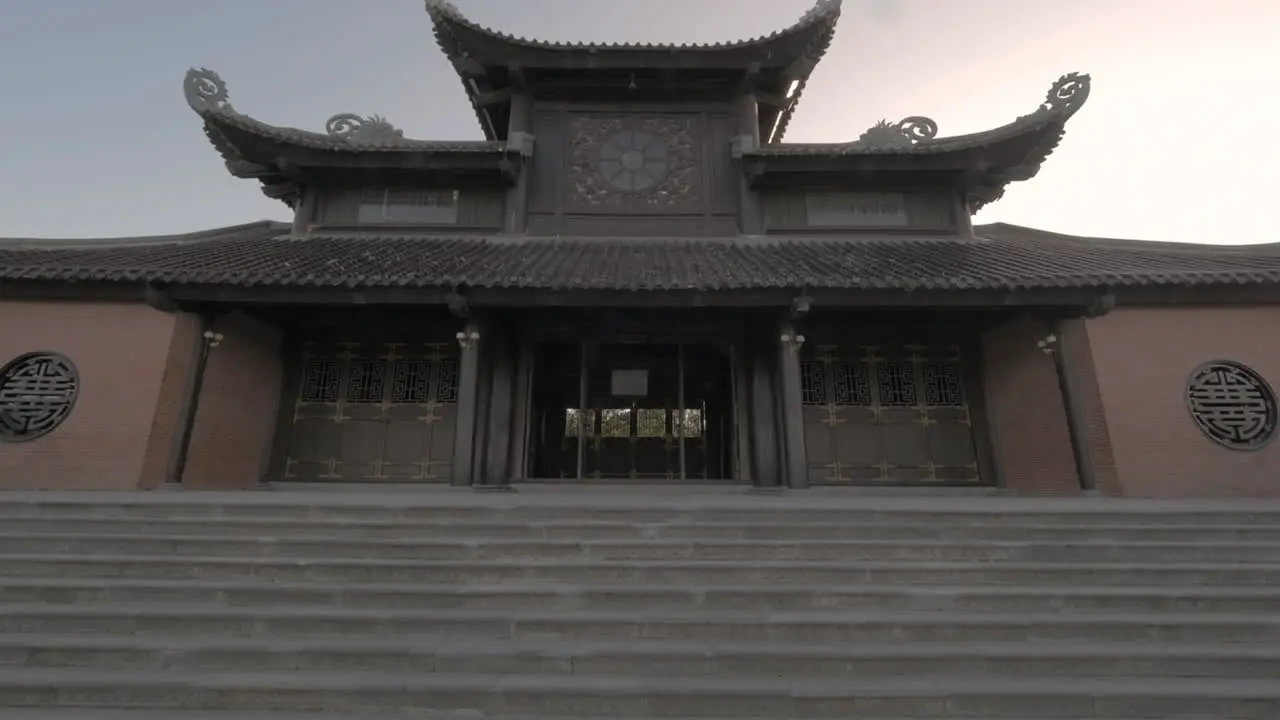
1143,357
113,438
236,417
1024,407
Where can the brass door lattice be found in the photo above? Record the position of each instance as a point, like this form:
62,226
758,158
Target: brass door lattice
374,413
887,415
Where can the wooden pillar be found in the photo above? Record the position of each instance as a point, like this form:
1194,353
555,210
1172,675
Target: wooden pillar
796,464
304,212
464,440
680,409
764,426
1073,406
496,469
583,416
517,201
740,392
750,213
523,409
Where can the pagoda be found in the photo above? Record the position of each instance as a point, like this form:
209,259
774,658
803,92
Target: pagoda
631,276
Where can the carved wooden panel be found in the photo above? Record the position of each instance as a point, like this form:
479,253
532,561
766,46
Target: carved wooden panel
471,208
637,164
838,210
374,412
887,415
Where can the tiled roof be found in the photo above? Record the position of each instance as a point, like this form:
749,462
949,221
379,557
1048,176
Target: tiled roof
800,46
446,15
1003,257
1014,152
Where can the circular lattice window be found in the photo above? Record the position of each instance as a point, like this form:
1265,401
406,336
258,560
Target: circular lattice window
37,393
632,161
1232,404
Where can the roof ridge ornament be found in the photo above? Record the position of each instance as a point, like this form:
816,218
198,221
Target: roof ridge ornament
903,134
355,128
206,91
1068,93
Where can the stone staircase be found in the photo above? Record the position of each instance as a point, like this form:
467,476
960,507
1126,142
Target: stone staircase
575,604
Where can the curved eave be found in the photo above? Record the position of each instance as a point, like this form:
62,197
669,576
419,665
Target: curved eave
987,161
475,50
459,37
274,155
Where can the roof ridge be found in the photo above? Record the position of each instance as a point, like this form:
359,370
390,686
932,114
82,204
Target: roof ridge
446,11
1131,243
205,235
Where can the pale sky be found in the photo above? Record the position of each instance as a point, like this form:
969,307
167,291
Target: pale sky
1177,141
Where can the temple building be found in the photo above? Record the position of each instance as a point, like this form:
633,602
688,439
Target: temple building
633,277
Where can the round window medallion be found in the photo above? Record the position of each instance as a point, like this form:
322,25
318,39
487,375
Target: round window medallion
632,161
37,393
1233,405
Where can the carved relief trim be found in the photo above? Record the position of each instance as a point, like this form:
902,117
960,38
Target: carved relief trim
634,163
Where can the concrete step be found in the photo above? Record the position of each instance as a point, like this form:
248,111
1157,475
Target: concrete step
671,506
689,626
640,598
372,529
367,714
631,658
1078,551
636,572
635,696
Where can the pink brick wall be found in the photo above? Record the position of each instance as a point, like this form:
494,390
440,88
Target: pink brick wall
1143,358
121,351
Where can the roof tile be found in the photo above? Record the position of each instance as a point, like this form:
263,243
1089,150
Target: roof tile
1003,257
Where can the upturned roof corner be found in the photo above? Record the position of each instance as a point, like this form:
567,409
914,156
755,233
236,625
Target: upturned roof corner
992,158
483,58
255,149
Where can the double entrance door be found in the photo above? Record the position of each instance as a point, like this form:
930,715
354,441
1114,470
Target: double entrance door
631,412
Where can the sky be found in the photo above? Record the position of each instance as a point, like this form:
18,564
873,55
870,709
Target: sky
1176,142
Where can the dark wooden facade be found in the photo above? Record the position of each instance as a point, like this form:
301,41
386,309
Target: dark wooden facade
610,178
658,395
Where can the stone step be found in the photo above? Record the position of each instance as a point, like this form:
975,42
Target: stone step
690,626
597,697
371,529
637,572
640,598
367,714
433,507
631,658
1079,551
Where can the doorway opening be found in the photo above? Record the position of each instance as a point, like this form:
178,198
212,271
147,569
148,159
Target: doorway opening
632,412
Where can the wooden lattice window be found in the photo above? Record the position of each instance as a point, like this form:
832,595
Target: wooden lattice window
813,383
321,378
942,384
897,383
407,206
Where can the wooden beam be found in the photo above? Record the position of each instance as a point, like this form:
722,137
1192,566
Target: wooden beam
517,76
750,79
458,305
281,190
469,68
159,298
493,97
247,169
